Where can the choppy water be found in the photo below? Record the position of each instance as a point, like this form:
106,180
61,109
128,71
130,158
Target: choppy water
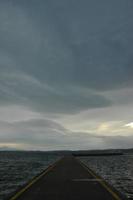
17,168
116,170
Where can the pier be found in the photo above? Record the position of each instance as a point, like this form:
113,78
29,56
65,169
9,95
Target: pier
67,179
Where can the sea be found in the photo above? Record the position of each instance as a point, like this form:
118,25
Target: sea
17,168
116,170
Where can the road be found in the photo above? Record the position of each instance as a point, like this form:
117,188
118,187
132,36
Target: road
68,179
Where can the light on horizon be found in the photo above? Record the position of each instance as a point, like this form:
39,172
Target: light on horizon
130,125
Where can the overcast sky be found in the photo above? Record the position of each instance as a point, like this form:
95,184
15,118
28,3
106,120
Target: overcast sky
66,74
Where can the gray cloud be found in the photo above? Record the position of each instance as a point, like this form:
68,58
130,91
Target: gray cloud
65,57
48,134
67,43
118,142
18,88
31,131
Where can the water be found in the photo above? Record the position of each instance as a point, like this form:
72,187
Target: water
116,170
17,168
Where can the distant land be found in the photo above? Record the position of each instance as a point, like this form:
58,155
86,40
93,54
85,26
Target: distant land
76,152
4,148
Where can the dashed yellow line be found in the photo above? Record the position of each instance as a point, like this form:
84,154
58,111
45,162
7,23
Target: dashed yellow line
101,181
34,181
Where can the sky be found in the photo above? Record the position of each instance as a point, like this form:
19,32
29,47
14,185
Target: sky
66,74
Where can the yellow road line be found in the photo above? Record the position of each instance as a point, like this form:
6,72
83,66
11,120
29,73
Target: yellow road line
101,181
34,180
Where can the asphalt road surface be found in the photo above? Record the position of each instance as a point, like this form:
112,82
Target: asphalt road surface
68,179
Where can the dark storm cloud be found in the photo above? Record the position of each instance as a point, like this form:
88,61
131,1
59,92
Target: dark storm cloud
20,89
56,47
97,49
87,43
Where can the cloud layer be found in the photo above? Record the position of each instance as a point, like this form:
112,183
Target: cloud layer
62,61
